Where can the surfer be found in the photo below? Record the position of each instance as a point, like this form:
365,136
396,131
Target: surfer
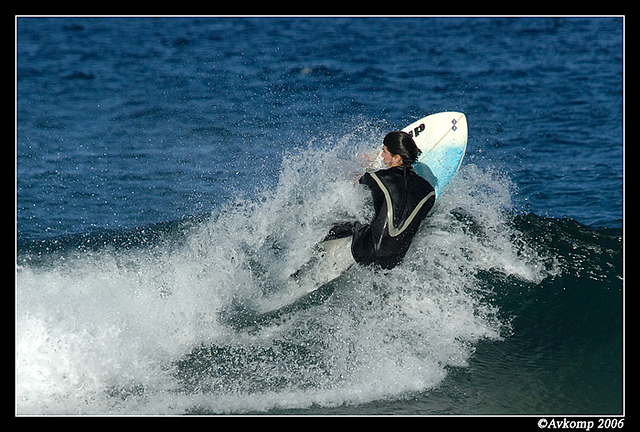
401,200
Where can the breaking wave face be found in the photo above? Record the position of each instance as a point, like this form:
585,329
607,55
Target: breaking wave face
134,324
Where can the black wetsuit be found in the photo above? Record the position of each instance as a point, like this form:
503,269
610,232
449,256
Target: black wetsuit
385,241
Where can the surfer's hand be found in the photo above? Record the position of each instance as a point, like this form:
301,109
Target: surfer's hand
370,161
367,160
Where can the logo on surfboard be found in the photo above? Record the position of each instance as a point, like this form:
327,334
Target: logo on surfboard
415,132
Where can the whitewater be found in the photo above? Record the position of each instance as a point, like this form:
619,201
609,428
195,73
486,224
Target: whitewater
122,329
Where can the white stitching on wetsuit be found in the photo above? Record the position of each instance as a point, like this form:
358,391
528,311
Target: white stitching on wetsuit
393,231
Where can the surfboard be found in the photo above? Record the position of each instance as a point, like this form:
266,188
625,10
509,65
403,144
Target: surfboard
442,138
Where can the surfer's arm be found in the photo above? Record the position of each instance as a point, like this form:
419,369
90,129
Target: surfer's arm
370,161
363,179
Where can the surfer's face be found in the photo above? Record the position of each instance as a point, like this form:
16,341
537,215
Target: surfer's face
390,160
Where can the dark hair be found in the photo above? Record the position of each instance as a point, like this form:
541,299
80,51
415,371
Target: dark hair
401,143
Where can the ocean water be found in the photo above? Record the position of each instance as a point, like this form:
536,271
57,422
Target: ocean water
169,168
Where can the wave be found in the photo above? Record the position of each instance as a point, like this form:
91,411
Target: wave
131,321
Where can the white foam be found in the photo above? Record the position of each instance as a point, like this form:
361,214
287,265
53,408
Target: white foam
102,332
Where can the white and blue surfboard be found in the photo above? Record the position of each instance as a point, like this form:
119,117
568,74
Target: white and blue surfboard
442,138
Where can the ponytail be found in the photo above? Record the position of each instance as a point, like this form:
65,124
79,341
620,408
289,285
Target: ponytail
402,144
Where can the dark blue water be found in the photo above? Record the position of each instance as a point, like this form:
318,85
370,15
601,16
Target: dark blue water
161,162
